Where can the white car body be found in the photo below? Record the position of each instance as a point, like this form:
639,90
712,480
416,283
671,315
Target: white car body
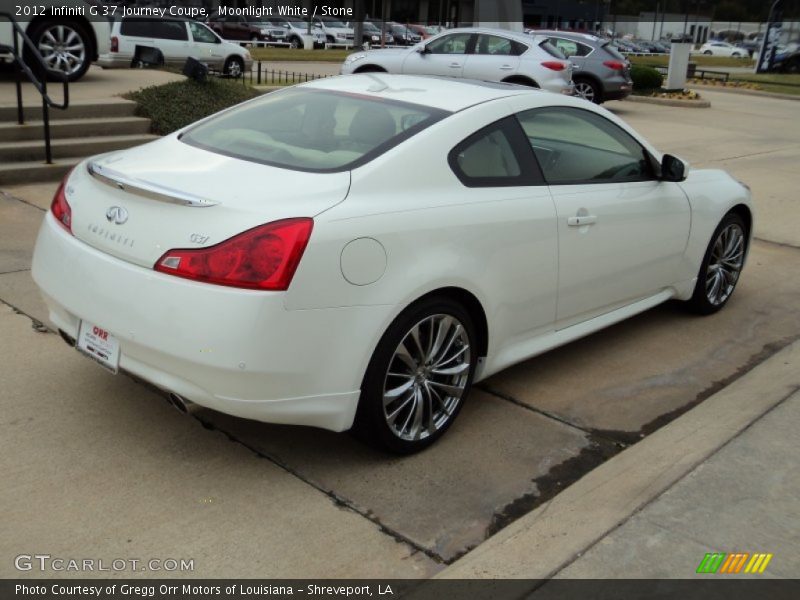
334,34
199,42
722,49
528,68
381,240
296,29
33,17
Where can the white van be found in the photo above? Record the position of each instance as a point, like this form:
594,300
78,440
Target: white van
69,44
177,39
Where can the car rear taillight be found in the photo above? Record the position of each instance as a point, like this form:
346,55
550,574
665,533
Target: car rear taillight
262,258
60,207
554,65
614,65
114,44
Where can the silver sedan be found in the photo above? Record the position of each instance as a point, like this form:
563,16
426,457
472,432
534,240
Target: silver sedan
474,53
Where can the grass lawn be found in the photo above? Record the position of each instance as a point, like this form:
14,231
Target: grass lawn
701,60
290,55
779,83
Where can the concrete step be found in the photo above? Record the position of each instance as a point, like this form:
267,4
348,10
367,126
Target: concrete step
61,129
33,150
35,171
116,107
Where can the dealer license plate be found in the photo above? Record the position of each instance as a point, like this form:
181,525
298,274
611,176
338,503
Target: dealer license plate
99,345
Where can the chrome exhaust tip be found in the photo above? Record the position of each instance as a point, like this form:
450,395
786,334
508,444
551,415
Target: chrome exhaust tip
184,406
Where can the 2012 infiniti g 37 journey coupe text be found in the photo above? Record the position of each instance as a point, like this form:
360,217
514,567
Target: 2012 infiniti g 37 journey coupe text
357,251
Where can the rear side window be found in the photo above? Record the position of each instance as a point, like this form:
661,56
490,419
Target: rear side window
154,28
495,156
552,50
498,45
570,48
312,130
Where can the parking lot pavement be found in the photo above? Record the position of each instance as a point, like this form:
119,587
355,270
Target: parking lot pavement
528,433
97,84
99,466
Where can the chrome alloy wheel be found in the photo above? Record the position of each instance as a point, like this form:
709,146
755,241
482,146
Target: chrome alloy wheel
725,264
584,90
62,49
427,376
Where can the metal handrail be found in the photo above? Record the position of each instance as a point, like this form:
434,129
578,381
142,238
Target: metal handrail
40,85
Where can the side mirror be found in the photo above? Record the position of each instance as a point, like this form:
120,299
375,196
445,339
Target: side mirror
423,49
672,168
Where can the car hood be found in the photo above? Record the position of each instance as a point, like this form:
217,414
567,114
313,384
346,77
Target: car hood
174,195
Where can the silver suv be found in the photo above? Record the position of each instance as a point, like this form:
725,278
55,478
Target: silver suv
599,71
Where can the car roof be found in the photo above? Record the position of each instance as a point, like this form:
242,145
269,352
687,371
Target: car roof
573,35
444,93
514,35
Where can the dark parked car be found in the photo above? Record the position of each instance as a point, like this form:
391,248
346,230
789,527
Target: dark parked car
403,36
372,34
599,71
253,29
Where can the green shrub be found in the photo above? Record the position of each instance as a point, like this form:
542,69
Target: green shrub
645,78
179,103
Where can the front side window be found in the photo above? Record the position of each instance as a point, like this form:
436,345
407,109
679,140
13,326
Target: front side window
312,130
202,34
456,43
576,146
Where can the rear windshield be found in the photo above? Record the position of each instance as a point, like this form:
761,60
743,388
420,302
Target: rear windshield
312,130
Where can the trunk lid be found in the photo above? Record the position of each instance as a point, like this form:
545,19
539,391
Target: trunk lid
139,203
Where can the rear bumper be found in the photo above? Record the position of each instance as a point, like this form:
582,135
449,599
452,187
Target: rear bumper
618,93
236,351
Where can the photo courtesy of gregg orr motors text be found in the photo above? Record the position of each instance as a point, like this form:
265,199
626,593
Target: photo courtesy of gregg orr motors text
188,590
44,563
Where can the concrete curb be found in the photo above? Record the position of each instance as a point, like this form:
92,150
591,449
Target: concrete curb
543,542
669,102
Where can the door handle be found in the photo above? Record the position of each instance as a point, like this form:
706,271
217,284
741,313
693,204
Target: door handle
506,68
455,65
581,221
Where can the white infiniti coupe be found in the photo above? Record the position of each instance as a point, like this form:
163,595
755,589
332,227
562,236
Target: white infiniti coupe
357,251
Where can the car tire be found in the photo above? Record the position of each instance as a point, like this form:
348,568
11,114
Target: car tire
234,67
721,267
588,90
76,42
330,39
736,55
404,406
295,43
708,53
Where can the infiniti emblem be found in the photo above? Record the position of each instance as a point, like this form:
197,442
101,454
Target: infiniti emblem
117,214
